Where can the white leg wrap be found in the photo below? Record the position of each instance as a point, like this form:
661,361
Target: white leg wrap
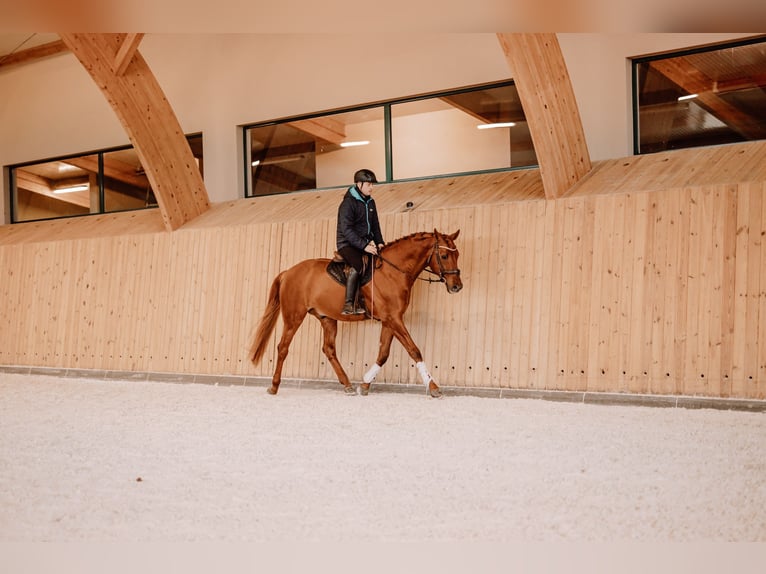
370,375
424,374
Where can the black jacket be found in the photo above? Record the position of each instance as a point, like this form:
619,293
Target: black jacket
357,221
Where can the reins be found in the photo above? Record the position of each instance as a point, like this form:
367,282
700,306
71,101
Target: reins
434,251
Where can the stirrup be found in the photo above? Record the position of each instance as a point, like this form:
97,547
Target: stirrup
350,309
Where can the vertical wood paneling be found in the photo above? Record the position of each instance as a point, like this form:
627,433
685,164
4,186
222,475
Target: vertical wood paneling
694,362
455,304
728,288
758,388
705,342
626,319
680,256
541,327
613,359
741,295
655,292
596,263
576,302
514,302
754,270
553,340
663,301
716,259
640,305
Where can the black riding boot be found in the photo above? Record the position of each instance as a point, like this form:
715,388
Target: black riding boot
352,283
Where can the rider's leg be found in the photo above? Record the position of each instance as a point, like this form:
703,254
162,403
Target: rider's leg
352,284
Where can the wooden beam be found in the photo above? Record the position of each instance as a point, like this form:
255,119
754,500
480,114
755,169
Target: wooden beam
42,186
547,97
113,168
327,129
31,54
33,182
138,101
462,102
125,53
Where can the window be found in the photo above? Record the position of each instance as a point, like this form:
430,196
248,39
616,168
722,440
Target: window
462,131
705,96
314,152
105,181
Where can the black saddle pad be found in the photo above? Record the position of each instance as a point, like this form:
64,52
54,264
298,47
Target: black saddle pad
338,270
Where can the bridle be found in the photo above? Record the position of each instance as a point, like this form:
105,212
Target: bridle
433,253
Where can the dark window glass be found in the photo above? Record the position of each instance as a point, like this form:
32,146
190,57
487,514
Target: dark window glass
56,188
125,183
316,152
477,130
469,130
709,96
100,182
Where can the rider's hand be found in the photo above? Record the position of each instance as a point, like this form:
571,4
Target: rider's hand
370,248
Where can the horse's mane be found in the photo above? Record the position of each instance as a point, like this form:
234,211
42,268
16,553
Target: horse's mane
416,235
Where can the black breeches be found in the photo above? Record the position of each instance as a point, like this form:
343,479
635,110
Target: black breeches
354,257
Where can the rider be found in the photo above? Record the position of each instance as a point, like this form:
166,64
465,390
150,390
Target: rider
358,232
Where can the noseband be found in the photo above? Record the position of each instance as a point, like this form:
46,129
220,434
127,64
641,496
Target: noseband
442,270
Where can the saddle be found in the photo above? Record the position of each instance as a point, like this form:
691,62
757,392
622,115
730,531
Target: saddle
337,268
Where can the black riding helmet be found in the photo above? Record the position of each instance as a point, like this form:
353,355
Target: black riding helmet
365,175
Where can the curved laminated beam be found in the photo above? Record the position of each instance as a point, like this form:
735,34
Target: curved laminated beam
122,74
547,97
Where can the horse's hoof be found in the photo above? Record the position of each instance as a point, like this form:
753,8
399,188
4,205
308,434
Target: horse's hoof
272,390
435,392
364,390
349,390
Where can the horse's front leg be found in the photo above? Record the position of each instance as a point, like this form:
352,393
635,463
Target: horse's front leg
330,329
386,336
404,337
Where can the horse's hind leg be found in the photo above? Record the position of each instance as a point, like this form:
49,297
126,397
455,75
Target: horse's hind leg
291,325
330,329
384,348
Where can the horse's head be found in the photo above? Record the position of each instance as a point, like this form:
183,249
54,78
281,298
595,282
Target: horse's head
443,260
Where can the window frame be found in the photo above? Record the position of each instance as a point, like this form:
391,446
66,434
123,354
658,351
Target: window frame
12,188
639,60
388,140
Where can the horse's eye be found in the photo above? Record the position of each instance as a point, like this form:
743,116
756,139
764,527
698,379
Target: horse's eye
444,256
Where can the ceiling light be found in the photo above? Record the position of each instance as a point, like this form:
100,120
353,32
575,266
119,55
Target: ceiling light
689,97
354,144
279,159
71,188
498,125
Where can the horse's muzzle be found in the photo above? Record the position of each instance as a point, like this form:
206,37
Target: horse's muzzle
454,288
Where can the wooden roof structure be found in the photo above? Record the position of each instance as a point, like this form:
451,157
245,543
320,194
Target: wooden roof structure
117,67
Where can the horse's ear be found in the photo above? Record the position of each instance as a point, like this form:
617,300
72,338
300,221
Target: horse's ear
454,235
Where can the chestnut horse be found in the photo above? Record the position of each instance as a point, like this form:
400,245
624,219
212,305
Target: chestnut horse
308,288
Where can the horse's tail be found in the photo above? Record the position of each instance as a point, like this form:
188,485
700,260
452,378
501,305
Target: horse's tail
268,321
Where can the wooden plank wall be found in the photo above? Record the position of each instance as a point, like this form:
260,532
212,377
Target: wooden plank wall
634,291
